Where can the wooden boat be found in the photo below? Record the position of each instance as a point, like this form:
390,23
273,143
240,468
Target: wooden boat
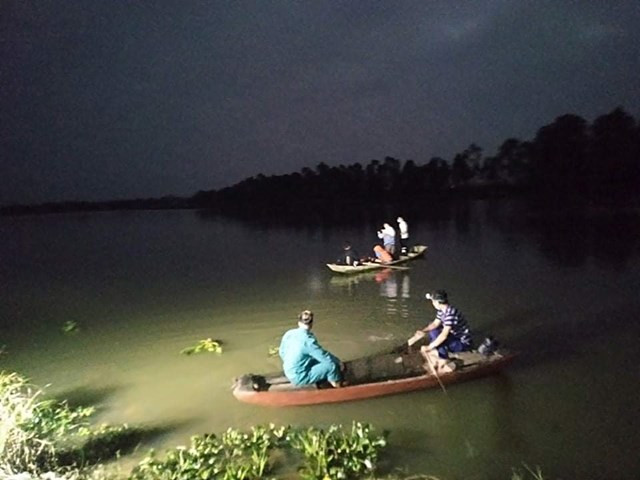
415,252
397,371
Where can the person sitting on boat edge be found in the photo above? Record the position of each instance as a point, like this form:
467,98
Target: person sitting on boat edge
349,255
304,361
448,332
382,255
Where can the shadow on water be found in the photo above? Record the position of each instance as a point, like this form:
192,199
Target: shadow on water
110,443
84,396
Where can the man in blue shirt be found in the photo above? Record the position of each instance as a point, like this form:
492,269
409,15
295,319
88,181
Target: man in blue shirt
448,332
304,360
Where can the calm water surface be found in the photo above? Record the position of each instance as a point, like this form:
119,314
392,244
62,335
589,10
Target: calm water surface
144,285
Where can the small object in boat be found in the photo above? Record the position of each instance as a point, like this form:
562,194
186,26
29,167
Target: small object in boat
488,346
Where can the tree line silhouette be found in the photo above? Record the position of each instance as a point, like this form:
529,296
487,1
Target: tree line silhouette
567,158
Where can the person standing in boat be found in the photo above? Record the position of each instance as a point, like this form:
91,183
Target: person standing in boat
448,332
403,228
388,236
304,361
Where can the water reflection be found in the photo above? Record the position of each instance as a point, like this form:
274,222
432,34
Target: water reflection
394,286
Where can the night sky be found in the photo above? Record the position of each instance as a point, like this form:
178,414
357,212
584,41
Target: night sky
114,99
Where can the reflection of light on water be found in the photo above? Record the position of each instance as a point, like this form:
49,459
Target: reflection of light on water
389,289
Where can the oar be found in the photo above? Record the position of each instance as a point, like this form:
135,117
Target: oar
435,372
384,265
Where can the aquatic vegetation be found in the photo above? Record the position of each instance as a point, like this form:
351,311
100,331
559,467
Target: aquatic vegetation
273,350
40,436
70,327
206,345
333,453
234,455
31,427
536,474
336,453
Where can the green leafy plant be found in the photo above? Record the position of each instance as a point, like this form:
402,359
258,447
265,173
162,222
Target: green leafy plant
33,428
206,345
43,437
234,455
536,474
337,453
273,350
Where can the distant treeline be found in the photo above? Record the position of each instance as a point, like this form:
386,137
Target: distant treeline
567,158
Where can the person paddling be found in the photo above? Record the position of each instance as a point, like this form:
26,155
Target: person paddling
448,332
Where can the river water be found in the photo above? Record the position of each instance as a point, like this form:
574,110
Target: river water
142,286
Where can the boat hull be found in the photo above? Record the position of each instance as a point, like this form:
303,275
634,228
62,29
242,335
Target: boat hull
416,252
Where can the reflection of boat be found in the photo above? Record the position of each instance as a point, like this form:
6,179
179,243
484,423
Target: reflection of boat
377,375
355,279
415,252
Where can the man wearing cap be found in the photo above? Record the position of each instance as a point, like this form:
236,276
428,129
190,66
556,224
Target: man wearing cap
304,360
448,332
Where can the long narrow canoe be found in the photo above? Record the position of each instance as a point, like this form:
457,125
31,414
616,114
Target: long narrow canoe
415,252
374,376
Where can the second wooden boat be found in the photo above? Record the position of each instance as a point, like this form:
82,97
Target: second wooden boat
415,252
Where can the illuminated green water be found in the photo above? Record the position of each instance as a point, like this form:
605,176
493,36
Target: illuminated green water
144,285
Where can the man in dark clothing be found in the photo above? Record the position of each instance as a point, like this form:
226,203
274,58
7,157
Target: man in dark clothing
349,255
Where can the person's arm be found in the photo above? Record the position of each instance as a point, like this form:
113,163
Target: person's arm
314,349
434,324
421,332
439,339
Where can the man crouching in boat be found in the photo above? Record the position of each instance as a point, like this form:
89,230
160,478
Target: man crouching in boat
448,333
304,361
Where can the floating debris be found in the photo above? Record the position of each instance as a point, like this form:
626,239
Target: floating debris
70,327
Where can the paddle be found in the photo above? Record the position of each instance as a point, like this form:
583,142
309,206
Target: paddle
384,265
435,372
419,336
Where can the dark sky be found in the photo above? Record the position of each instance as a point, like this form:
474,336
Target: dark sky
106,99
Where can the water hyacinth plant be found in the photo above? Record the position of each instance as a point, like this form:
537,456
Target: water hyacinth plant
234,455
206,345
334,453
337,453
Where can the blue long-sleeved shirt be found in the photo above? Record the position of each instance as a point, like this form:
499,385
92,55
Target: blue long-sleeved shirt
299,351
